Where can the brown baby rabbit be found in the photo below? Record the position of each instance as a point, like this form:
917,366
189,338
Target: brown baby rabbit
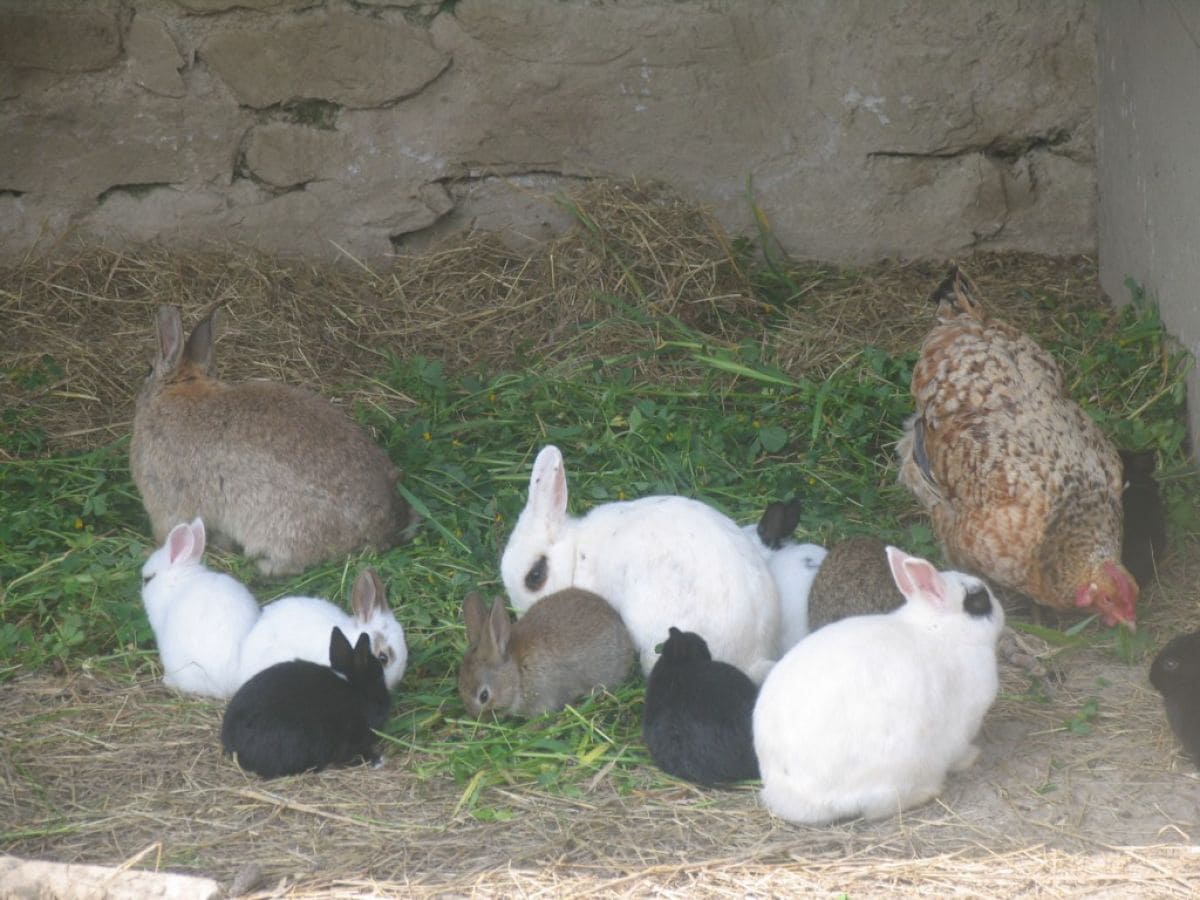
271,467
567,644
854,580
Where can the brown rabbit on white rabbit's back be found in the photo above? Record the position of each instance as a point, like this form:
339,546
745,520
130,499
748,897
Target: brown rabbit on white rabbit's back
271,467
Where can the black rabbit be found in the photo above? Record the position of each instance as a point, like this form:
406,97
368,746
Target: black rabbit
299,716
1145,535
1175,673
699,713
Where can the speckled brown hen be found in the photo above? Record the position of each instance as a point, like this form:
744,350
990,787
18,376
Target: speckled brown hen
1022,486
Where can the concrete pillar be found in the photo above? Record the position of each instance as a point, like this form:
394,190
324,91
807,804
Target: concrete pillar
1148,146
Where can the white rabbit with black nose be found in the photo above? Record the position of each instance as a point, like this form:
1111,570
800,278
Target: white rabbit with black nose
660,561
298,628
866,716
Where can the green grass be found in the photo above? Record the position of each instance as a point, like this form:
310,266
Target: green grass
722,423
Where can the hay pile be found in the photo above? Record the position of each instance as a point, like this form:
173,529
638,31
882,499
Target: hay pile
80,330
83,326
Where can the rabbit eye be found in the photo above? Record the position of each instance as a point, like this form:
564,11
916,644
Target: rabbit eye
383,658
1170,664
484,697
977,603
535,578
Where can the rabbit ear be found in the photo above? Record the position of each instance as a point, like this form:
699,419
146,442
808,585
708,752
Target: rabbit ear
182,545
778,521
362,648
548,486
199,350
500,627
475,615
341,657
198,536
917,578
368,596
170,340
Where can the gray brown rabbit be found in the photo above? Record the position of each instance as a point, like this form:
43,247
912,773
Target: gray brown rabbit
567,644
270,467
854,580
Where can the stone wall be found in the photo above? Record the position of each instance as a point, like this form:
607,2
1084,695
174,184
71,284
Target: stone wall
316,127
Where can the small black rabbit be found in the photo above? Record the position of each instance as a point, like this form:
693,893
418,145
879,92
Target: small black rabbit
1175,673
1145,537
298,716
698,714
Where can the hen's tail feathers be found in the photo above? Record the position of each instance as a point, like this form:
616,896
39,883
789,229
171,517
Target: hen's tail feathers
956,295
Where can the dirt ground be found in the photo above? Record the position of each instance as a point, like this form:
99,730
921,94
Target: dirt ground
127,767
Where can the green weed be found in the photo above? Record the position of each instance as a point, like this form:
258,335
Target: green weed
1082,721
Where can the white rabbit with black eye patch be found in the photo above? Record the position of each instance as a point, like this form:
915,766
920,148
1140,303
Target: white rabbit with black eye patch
199,617
866,716
660,561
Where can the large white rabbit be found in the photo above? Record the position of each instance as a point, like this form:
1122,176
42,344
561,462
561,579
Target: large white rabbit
865,716
299,628
199,616
660,561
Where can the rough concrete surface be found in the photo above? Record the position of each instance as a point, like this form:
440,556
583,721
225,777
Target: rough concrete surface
1147,133
862,129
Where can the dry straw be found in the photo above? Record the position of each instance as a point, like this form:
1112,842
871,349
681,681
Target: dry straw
636,254
105,769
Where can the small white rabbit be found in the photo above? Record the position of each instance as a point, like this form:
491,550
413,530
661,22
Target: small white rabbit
793,566
865,716
199,616
299,628
660,561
